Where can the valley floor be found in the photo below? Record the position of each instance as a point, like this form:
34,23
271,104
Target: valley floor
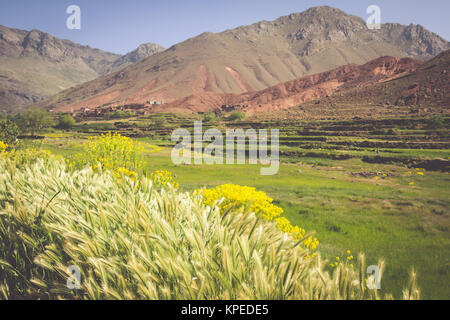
358,185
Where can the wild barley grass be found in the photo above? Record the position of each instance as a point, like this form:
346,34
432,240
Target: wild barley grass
134,241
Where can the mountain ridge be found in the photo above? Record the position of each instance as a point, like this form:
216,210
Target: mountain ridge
36,65
252,58
386,86
294,92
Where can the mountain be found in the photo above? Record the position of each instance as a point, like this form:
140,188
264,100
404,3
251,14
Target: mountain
385,81
427,86
140,53
252,58
295,92
386,86
36,65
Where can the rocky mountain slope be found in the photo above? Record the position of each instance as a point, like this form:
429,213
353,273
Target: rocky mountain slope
384,86
140,53
386,81
295,92
252,58
36,65
427,86
422,91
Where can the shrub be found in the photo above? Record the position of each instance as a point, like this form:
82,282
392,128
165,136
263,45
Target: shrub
34,120
236,115
111,152
210,117
119,114
9,132
66,122
131,241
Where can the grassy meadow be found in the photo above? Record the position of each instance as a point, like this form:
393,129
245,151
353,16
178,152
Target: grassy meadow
360,185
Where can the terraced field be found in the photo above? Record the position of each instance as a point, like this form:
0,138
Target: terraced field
415,142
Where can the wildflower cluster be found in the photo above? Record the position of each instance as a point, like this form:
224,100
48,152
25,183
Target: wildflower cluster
23,157
28,156
162,178
242,197
247,198
418,171
124,172
111,151
296,232
3,147
347,259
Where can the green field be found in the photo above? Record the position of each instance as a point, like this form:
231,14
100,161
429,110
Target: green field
360,185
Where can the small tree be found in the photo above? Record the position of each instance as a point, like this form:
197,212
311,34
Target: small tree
66,122
9,132
34,120
236,115
210,117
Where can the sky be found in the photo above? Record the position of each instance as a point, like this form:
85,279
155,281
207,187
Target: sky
120,26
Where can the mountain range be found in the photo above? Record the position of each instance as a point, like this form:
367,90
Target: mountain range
380,85
35,65
295,92
250,59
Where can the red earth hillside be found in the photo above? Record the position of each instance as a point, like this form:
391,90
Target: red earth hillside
291,93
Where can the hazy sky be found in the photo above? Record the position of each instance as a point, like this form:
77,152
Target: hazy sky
120,26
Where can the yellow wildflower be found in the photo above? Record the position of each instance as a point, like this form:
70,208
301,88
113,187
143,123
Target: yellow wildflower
243,197
3,147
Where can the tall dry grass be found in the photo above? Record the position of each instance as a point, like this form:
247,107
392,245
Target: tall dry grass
133,241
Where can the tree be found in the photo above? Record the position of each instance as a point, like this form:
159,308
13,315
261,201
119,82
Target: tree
66,122
210,117
236,115
9,132
34,120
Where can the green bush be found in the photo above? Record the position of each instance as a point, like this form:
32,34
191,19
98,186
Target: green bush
65,122
34,120
236,115
210,117
132,241
119,114
9,132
